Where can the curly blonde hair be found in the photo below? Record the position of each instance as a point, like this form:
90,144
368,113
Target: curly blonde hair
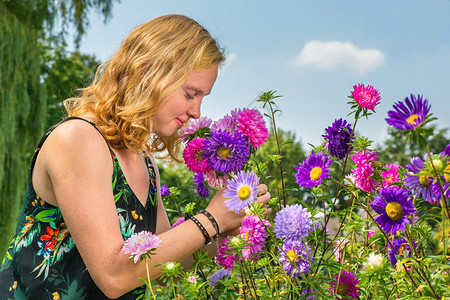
153,61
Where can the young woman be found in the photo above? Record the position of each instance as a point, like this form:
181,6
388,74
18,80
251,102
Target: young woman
94,181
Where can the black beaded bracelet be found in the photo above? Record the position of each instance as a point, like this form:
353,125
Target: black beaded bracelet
213,221
205,233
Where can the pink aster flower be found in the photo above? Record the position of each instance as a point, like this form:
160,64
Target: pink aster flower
390,175
225,256
178,222
366,96
224,124
253,232
215,180
363,173
141,244
339,247
193,126
344,284
193,158
251,123
192,279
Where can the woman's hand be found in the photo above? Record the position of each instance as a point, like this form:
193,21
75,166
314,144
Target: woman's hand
229,221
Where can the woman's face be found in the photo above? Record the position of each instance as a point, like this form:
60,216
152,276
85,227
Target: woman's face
184,103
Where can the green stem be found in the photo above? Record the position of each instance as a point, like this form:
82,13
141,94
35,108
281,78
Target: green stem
149,284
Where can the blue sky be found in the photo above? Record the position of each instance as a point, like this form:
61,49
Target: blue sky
311,52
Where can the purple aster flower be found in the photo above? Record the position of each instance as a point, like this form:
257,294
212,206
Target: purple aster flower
219,275
296,258
227,123
338,138
436,189
292,223
313,170
200,187
254,234
400,246
251,123
165,191
394,206
226,152
193,158
194,127
178,222
344,284
366,96
446,151
241,191
419,185
225,256
409,116
141,243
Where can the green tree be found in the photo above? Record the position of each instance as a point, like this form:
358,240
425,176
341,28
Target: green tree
398,149
63,73
23,98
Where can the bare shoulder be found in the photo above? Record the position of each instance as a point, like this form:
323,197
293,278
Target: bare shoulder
75,142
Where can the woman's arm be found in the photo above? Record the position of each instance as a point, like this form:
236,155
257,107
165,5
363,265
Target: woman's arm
79,166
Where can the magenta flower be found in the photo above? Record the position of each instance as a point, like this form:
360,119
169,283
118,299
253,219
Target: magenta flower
409,116
362,175
293,223
390,175
344,284
366,96
313,170
178,222
141,244
193,158
225,256
254,234
194,127
251,123
241,191
394,207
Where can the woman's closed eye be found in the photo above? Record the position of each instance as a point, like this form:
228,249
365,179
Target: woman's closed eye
189,96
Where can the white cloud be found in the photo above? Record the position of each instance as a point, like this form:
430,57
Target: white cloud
326,55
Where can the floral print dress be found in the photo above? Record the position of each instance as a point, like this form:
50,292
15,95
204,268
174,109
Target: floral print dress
42,261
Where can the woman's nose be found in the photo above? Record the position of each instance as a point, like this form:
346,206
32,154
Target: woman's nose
195,111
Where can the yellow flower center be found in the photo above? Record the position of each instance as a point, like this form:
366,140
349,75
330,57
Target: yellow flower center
224,152
244,192
394,211
342,289
447,173
402,249
292,255
412,119
198,156
315,173
424,181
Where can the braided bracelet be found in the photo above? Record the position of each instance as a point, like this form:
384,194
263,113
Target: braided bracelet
205,233
213,221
